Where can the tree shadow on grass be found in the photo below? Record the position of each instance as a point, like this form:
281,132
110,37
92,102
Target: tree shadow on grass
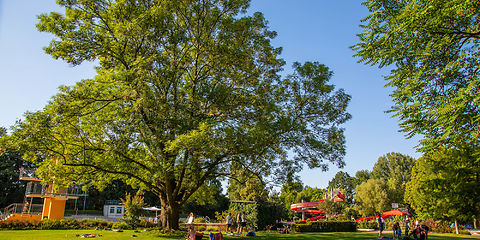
336,236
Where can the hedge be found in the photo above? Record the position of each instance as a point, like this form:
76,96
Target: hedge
327,226
54,224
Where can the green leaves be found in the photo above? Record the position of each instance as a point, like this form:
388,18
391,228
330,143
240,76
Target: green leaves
444,185
433,47
372,197
186,91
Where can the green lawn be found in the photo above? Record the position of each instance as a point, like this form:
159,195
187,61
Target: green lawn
107,235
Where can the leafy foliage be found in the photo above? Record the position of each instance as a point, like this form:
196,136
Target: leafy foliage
372,197
184,90
206,201
294,192
245,186
362,176
434,49
55,224
345,183
444,185
395,169
12,190
133,209
331,207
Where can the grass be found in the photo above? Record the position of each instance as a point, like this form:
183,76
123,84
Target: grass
107,235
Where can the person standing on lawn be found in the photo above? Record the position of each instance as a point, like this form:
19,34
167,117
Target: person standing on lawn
229,222
381,226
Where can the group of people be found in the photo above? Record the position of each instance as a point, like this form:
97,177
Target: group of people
241,222
419,231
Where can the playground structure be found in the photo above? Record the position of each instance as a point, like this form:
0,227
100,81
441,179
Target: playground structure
54,200
312,207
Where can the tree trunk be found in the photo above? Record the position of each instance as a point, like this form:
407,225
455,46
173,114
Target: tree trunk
456,226
474,222
169,216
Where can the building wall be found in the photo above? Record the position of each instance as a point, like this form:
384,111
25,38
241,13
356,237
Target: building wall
113,211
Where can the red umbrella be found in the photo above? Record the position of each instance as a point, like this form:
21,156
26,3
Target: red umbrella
395,212
366,218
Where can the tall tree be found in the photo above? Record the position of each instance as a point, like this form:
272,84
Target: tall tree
372,197
183,90
444,185
345,183
207,200
362,176
245,186
433,48
12,190
395,169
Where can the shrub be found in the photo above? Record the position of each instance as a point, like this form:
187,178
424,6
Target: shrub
19,225
48,224
212,229
367,225
51,224
121,225
93,223
327,226
133,209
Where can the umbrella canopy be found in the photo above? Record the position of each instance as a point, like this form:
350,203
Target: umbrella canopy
366,218
152,209
395,212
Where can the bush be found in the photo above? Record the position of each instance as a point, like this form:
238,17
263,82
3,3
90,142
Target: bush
121,225
19,225
443,227
212,229
93,223
51,224
133,209
327,226
48,224
367,225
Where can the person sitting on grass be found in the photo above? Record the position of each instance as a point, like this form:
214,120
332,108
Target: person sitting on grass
286,229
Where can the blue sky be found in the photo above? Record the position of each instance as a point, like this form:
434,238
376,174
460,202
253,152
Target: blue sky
308,30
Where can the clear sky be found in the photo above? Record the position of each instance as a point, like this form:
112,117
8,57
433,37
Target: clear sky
308,30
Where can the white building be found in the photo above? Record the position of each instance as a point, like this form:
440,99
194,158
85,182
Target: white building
113,209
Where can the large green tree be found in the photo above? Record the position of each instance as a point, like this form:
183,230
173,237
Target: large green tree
345,183
184,89
445,185
432,49
372,197
362,176
395,169
12,190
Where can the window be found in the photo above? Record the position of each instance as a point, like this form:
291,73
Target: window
119,210
112,209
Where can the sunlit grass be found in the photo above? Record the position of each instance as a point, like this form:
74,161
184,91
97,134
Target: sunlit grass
106,235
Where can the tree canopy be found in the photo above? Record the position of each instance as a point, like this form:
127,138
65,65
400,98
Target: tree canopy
372,197
345,183
444,185
12,190
395,169
433,50
183,91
